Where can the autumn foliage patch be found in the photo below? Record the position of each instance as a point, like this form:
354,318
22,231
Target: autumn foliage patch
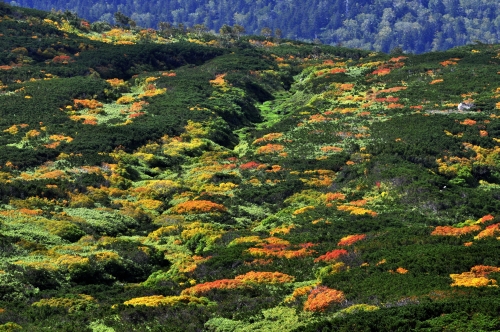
206,287
201,206
477,277
455,231
265,278
270,148
322,297
351,239
331,256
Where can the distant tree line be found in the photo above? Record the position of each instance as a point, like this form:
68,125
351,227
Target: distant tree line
414,26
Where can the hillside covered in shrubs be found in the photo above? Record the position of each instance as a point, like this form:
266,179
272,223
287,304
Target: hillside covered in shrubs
243,183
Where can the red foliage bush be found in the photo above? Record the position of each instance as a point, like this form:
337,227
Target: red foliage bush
331,255
249,165
323,297
206,287
454,231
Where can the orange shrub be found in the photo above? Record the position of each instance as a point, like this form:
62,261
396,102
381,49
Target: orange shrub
137,106
267,138
490,231
55,174
60,138
52,145
279,251
468,122
486,218
455,231
337,70
276,247
323,297
381,71
86,103
346,87
436,81
315,118
360,202
206,287
397,59
447,63
331,256
483,270
331,148
270,148
334,197
135,115
394,105
116,82
200,206
253,277
320,181
351,239
90,120
32,134
31,212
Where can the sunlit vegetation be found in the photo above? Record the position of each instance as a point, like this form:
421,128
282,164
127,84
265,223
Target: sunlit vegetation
243,185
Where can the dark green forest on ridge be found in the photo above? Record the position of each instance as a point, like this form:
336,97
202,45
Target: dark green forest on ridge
182,180
416,26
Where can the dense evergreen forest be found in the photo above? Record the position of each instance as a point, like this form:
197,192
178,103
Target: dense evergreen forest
416,25
187,181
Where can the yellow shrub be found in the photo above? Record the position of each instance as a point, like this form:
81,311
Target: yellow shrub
125,100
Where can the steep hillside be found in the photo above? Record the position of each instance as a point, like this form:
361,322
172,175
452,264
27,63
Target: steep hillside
243,184
416,26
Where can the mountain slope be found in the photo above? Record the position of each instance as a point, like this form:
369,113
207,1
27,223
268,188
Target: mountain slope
235,185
